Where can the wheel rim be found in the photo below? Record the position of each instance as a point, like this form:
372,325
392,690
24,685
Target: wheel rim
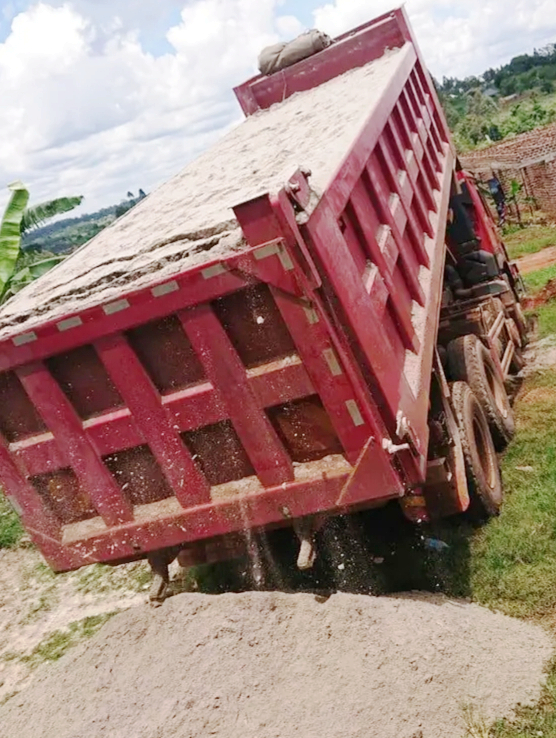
485,453
497,390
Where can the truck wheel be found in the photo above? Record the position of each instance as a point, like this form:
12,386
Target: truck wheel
470,361
521,323
481,462
518,362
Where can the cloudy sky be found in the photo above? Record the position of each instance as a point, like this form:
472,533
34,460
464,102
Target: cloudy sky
104,96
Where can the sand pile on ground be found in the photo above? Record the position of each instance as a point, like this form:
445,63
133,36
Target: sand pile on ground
272,665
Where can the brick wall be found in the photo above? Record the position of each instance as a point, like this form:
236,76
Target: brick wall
529,158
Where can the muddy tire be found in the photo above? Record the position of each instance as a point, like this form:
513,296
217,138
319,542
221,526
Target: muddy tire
521,323
481,462
470,361
518,362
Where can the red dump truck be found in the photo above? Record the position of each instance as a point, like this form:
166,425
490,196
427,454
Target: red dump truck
315,317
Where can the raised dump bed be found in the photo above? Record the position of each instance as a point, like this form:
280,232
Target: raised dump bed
253,343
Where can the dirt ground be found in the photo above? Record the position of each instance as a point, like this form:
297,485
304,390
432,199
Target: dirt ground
41,613
532,262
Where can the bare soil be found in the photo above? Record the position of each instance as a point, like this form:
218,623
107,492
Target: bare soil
36,604
278,665
532,262
540,355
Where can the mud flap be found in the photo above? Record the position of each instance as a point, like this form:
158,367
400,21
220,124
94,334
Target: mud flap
373,477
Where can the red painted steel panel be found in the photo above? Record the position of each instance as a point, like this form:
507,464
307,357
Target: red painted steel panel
412,175
411,125
271,506
193,287
406,255
188,409
67,428
228,375
433,303
383,254
358,306
341,185
325,367
392,175
151,417
35,515
346,275
371,478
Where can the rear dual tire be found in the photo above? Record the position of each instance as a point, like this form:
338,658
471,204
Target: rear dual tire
481,462
470,361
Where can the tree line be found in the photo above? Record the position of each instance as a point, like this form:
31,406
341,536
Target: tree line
514,98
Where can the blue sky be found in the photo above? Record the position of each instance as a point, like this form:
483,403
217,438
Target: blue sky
105,96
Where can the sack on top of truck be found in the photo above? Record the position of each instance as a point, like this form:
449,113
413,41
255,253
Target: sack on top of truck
279,56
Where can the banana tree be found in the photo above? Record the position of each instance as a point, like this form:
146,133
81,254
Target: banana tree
19,218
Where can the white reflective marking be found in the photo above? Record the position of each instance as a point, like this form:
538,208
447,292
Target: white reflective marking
214,271
355,412
332,361
115,307
15,504
393,202
312,315
285,259
164,289
24,338
65,325
266,251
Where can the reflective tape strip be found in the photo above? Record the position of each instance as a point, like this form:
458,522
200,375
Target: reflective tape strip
355,413
285,260
275,249
65,325
332,361
15,504
266,251
165,289
24,338
312,315
214,271
115,307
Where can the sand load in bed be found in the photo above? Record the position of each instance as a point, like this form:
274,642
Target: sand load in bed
189,220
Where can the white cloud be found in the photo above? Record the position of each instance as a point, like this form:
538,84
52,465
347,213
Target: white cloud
457,40
94,113
87,108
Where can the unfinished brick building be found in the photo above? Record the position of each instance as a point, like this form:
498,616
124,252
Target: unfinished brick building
529,158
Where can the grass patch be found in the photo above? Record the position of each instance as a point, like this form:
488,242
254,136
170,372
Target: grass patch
529,240
103,579
44,604
11,529
510,563
532,722
58,643
546,317
535,281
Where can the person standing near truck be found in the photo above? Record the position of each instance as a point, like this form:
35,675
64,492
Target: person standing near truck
499,197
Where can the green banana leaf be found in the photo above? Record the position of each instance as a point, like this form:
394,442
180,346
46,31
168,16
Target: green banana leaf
33,217
10,231
28,274
42,267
